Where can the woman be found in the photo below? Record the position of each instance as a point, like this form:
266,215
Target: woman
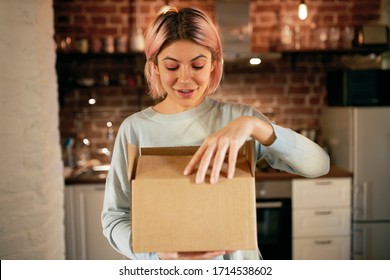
184,66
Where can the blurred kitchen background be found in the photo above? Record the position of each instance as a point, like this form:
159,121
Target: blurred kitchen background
73,71
100,88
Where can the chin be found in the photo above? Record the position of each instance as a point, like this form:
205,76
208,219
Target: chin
191,102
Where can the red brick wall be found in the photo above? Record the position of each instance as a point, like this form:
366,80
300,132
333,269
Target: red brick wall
292,97
86,18
268,16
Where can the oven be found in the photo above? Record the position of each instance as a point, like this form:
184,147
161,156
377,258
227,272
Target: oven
274,219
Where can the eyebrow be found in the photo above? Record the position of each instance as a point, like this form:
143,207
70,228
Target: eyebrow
195,58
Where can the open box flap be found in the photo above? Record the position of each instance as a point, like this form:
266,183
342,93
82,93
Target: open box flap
246,152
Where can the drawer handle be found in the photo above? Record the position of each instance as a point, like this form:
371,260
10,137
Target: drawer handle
323,183
322,242
276,204
326,212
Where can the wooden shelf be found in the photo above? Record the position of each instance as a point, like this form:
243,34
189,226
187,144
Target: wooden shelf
72,66
62,55
338,51
294,53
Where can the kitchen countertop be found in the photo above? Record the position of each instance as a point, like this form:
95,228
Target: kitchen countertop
87,178
100,177
334,172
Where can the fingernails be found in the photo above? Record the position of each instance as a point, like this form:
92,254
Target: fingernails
198,180
187,171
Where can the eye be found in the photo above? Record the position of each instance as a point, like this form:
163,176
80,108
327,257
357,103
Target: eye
198,66
172,68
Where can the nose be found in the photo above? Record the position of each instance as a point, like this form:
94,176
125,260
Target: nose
184,75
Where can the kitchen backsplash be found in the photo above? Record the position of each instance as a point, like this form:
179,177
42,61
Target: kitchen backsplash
291,91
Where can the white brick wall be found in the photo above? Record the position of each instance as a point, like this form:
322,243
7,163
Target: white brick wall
31,184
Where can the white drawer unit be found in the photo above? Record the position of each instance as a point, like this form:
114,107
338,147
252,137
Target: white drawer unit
311,193
322,248
321,218
316,222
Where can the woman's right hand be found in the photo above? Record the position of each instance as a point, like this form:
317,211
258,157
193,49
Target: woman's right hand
191,255
226,142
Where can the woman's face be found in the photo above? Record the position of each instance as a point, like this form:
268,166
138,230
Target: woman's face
184,69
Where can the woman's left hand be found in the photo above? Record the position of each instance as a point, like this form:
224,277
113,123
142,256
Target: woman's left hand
191,255
227,140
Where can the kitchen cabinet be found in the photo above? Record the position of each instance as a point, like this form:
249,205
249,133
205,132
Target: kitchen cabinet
327,54
94,72
321,218
84,236
97,91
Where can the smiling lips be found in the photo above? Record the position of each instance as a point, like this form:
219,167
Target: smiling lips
185,92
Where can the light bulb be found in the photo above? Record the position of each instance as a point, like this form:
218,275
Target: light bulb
86,142
92,101
255,61
302,10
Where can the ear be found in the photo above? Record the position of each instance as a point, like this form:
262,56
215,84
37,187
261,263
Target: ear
155,68
212,66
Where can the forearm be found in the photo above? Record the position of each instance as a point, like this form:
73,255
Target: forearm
295,153
116,207
116,223
121,240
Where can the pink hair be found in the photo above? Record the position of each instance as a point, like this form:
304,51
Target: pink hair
185,24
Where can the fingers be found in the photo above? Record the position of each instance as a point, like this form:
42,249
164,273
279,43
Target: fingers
195,160
220,155
215,153
210,255
191,255
233,152
204,163
218,162
200,255
229,139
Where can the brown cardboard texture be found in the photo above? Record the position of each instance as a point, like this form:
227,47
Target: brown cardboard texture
171,213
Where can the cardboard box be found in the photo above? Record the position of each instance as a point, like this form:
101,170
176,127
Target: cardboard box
171,213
